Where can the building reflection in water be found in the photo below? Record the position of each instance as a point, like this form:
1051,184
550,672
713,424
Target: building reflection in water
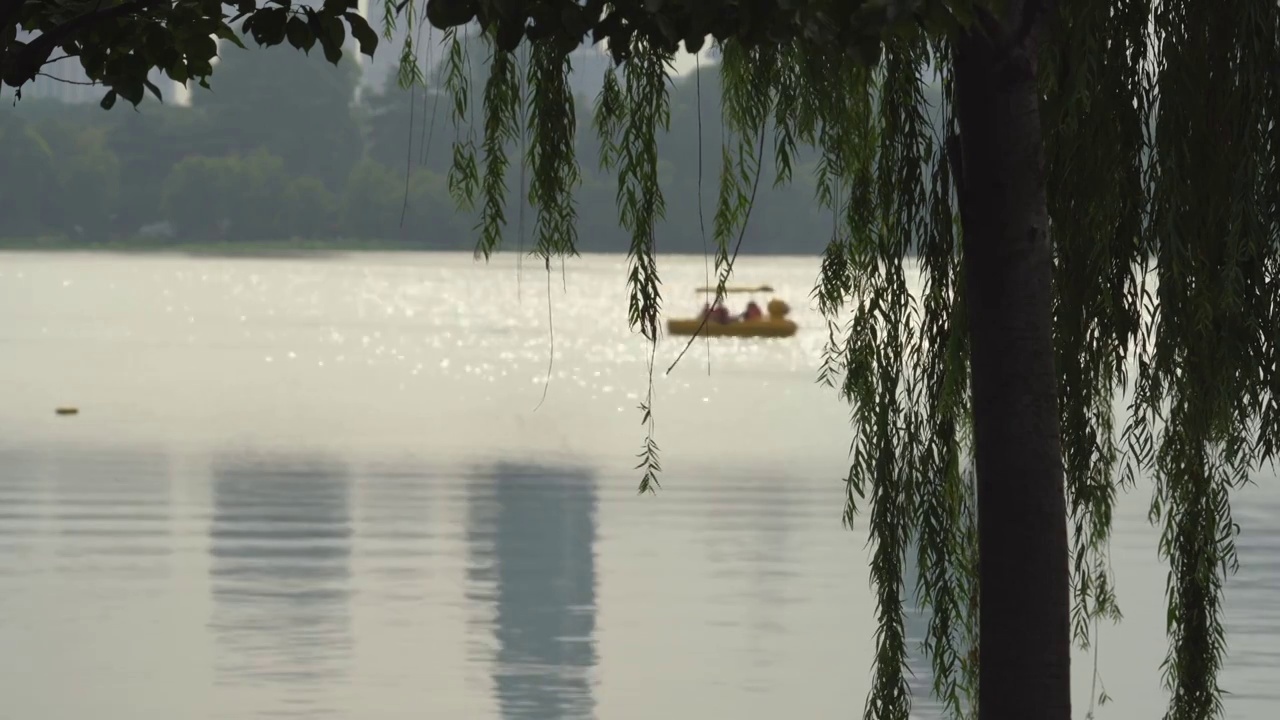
95,514
530,543
755,567
280,541
114,511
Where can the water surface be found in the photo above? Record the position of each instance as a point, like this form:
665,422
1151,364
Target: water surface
334,487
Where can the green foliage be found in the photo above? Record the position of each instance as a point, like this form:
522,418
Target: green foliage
120,43
23,205
372,200
252,198
88,177
664,25
307,208
219,198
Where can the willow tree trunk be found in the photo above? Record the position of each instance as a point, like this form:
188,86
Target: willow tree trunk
1024,617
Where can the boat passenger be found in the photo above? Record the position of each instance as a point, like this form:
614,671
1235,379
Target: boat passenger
720,314
753,312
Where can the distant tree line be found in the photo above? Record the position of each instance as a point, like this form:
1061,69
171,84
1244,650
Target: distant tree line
282,148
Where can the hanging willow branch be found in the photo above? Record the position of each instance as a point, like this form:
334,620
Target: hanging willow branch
1162,139
1213,239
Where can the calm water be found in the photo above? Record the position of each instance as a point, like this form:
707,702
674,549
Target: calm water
333,488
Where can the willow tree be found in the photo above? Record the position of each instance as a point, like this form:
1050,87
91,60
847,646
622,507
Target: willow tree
1102,216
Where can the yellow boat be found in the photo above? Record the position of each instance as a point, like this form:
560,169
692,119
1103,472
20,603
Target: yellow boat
773,324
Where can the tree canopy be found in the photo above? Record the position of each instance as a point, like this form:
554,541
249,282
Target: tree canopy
1160,147
119,42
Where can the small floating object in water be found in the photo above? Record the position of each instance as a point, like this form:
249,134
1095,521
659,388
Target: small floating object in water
67,411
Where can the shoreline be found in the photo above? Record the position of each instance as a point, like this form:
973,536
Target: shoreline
269,248
279,249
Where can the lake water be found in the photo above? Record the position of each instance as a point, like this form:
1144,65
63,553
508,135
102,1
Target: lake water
332,487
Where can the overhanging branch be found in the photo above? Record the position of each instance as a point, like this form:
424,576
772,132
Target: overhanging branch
18,68
9,10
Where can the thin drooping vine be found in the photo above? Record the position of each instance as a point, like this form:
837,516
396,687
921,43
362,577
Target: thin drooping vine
408,170
702,223
551,328
464,176
725,262
410,77
746,114
523,183
641,206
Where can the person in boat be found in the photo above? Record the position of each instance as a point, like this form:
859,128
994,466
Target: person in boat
717,314
753,312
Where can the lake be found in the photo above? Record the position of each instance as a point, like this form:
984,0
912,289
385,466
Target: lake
393,486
